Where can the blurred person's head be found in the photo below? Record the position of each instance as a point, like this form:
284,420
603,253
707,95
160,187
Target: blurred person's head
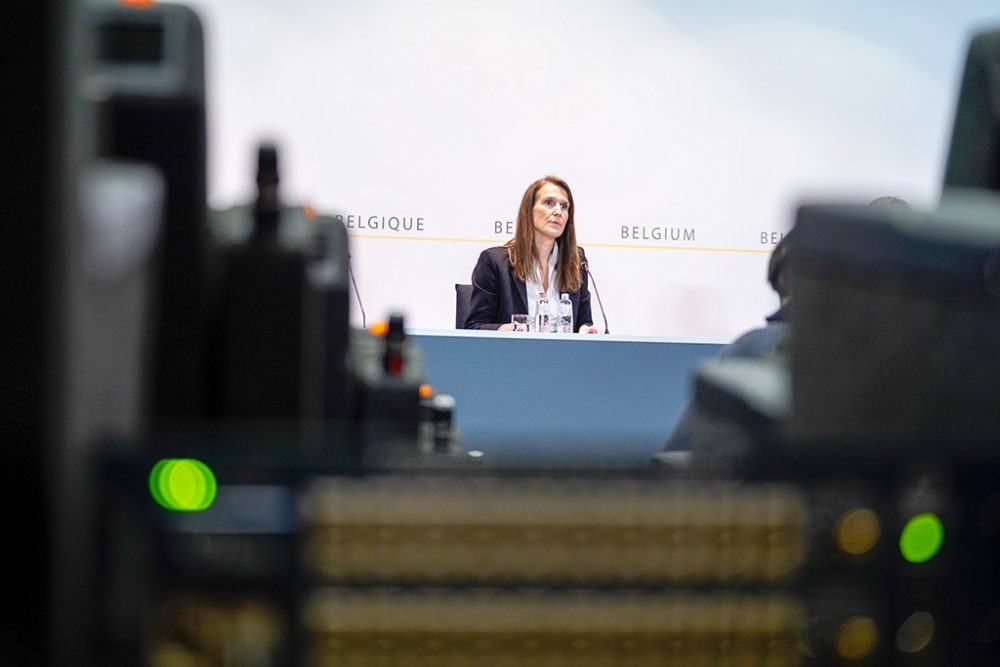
546,213
777,266
777,269
890,200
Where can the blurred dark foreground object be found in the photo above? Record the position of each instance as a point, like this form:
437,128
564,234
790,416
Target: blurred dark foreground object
892,345
891,383
895,329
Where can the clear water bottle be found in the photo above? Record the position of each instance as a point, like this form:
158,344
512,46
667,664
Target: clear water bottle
542,318
565,322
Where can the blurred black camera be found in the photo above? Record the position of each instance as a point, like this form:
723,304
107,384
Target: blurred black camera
890,353
242,317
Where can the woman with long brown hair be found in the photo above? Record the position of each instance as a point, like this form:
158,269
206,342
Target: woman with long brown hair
541,258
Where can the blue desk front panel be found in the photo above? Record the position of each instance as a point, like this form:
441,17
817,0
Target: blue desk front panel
562,400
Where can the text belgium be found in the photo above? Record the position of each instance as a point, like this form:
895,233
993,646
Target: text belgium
637,233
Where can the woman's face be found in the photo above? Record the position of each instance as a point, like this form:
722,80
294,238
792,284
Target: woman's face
550,212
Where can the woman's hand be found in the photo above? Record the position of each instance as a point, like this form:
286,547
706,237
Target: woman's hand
505,327
588,329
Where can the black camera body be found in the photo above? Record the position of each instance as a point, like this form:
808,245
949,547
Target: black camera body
247,320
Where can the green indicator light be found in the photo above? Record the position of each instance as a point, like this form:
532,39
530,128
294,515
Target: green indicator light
187,487
921,538
210,488
182,485
155,475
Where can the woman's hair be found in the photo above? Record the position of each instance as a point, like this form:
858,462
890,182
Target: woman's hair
521,248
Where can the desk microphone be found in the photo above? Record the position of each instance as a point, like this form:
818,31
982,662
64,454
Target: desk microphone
586,267
350,270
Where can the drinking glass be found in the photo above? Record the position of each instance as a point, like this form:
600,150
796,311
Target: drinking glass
519,322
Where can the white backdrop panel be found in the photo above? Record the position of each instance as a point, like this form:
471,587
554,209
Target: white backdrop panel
688,133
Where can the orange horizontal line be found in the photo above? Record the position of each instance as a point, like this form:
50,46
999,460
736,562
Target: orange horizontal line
672,247
491,242
393,237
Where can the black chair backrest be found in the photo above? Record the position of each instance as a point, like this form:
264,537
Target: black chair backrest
463,304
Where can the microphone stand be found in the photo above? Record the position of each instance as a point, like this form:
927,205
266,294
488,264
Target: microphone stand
586,267
357,294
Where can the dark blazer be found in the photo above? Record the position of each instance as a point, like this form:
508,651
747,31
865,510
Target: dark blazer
497,293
